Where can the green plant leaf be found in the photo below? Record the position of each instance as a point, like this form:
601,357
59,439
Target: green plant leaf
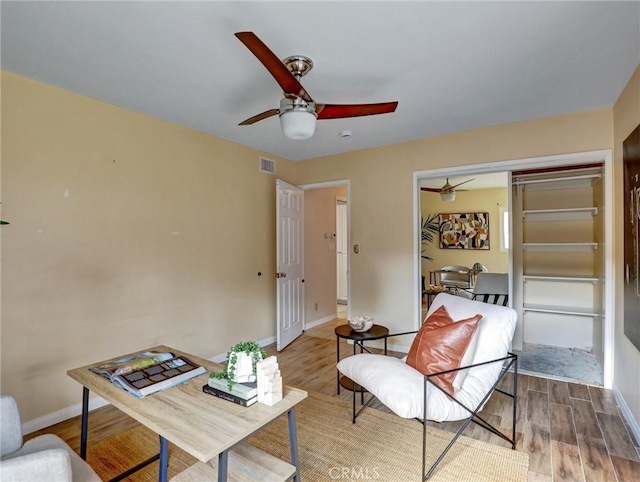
430,231
251,348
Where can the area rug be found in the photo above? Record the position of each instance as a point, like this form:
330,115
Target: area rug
380,446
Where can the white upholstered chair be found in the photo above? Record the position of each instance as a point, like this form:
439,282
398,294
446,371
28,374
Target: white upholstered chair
410,394
43,458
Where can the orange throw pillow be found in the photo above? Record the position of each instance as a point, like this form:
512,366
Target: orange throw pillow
440,345
438,318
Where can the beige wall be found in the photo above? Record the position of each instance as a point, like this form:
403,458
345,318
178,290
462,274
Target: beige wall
101,272
381,196
626,117
320,282
482,200
126,232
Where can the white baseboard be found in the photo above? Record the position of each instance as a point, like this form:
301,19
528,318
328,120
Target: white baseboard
313,324
60,416
98,402
626,413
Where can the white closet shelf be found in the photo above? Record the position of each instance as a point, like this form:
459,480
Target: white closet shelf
561,182
559,214
553,277
560,246
561,310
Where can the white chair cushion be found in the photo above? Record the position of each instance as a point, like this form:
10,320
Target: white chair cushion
11,439
51,465
397,385
400,387
40,453
82,471
467,360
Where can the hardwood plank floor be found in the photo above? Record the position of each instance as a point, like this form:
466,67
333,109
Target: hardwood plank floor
572,432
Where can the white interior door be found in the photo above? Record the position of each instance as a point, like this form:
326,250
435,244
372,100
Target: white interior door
341,251
289,262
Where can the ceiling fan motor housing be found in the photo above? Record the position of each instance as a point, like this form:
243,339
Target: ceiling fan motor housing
298,65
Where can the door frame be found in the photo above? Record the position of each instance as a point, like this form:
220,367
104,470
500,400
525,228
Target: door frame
604,156
341,201
347,184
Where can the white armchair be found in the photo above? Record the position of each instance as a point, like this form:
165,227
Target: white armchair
43,458
412,393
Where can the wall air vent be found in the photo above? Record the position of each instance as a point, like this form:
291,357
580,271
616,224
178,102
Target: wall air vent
267,165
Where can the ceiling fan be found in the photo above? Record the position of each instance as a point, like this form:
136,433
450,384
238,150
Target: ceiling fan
447,192
298,111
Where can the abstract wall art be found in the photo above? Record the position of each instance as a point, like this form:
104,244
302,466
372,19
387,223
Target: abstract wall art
464,230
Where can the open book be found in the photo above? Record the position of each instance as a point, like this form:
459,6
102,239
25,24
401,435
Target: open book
149,372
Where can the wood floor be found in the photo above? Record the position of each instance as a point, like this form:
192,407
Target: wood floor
571,432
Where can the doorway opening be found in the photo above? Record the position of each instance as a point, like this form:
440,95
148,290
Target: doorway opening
513,234
454,265
326,253
342,253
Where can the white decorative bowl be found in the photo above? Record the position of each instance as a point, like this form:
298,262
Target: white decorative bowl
361,323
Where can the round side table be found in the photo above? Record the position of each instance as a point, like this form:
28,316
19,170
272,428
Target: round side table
376,332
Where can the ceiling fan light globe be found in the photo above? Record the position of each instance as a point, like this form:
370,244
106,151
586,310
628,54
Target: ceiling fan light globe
298,124
448,197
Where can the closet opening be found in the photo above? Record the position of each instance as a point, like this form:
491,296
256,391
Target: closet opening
560,268
558,234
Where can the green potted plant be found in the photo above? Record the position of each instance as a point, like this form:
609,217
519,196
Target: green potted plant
430,231
240,365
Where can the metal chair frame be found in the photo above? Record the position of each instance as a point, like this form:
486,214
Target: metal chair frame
509,361
454,278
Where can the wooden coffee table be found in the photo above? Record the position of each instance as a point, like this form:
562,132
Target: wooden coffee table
210,429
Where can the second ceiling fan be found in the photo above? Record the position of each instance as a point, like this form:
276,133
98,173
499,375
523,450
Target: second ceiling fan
447,192
298,111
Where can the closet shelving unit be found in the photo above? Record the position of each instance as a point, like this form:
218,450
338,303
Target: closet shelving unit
557,277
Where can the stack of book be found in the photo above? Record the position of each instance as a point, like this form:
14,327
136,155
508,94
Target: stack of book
245,394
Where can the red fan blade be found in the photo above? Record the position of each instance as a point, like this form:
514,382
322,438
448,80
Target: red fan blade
339,111
259,117
276,68
430,189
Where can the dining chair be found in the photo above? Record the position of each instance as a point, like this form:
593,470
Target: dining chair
492,288
456,277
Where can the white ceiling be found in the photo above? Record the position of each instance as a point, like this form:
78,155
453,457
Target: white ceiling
451,65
